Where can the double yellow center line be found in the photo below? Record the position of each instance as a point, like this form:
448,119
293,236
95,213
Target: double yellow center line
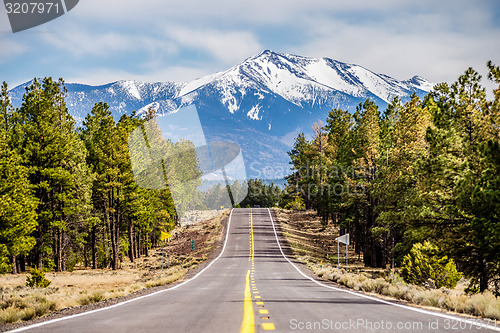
252,246
248,323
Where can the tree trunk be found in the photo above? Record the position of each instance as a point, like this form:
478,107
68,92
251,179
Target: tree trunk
94,249
113,242
139,245
114,231
483,282
38,250
483,276
63,247
392,251
85,256
58,245
22,264
117,220
110,217
14,265
136,241
131,240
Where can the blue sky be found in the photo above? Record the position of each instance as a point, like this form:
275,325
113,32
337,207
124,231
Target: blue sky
164,40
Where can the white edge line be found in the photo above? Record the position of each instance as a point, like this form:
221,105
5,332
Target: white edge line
471,322
25,328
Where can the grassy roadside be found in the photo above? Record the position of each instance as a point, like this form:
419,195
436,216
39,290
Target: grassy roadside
312,244
86,287
71,289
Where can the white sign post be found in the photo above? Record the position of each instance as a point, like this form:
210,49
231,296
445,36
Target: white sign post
345,240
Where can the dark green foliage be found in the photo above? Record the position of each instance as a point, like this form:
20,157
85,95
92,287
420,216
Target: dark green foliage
55,159
425,170
124,216
253,192
17,203
69,197
262,194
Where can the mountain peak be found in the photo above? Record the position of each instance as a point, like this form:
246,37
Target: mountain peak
302,81
261,103
290,76
265,52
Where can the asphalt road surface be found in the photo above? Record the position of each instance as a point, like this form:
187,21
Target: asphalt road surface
252,287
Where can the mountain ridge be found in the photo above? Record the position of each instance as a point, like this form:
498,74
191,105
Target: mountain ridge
261,103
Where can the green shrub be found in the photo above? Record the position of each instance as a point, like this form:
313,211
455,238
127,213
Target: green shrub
423,265
5,265
37,279
296,204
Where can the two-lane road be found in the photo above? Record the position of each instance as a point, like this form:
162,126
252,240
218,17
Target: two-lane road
250,287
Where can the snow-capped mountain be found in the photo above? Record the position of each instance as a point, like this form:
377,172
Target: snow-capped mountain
262,103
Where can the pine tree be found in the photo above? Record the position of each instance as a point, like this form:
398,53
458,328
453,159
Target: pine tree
458,173
301,175
17,203
339,126
52,152
100,137
361,200
404,129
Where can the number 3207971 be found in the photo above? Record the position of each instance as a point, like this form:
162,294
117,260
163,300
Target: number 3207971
32,7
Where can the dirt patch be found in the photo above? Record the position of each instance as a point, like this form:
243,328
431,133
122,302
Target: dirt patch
308,238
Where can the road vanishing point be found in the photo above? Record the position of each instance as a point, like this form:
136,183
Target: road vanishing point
252,286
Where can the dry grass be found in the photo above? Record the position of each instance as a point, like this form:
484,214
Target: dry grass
308,237
80,287
164,279
22,303
87,286
484,305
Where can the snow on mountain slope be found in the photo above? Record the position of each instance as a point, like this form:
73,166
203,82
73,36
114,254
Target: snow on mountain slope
193,85
300,79
327,73
261,103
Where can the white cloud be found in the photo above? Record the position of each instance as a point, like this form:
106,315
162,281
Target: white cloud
426,45
100,76
223,11
228,47
9,49
81,43
185,39
437,40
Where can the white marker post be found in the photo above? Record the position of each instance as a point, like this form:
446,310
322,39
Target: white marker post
338,253
345,240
